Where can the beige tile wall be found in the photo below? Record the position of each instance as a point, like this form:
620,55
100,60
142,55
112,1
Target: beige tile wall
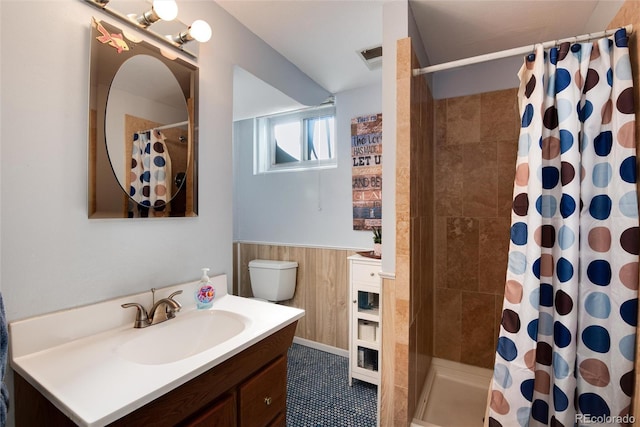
476,143
408,300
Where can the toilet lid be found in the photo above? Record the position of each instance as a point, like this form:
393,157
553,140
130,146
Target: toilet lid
272,264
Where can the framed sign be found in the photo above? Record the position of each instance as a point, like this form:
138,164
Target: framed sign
366,180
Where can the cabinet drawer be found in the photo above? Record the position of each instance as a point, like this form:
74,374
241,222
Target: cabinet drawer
365,273
264,396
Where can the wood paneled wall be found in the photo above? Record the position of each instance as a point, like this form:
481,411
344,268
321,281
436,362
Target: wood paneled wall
322,287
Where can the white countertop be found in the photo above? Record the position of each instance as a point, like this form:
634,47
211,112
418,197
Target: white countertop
78,369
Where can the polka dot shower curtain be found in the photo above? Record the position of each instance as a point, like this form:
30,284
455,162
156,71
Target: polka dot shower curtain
565,353
150,171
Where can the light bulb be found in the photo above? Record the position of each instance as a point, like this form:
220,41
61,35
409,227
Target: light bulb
167,10
200,31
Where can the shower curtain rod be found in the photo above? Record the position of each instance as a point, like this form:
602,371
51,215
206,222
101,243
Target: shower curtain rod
169,126
513,52
173,125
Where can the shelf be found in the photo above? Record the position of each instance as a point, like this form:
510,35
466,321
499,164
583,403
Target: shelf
367,359
369,313
368,332
368,344
365,327
368,302
364,371
364,375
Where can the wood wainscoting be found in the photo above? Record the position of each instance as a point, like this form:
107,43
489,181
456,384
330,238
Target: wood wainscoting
322,287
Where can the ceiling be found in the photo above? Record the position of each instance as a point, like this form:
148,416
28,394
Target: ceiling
322,37
485,26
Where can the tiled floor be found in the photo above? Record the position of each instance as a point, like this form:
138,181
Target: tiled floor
318,392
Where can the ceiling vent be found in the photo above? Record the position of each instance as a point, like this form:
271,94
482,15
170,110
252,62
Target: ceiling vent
372,57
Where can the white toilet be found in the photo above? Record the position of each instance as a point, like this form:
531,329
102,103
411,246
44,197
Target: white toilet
271,280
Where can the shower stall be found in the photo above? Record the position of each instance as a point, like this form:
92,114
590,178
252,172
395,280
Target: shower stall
452,240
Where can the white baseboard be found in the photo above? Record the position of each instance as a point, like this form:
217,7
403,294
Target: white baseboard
323,347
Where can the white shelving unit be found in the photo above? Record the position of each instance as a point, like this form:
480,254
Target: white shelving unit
365,329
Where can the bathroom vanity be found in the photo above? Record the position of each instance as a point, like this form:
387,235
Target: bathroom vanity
97,379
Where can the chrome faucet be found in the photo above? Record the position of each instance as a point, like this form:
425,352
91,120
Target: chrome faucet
162,310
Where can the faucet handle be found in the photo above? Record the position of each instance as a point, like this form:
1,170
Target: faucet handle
172,313
175,293
177,303
142,319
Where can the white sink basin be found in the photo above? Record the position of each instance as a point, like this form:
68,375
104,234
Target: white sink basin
184,336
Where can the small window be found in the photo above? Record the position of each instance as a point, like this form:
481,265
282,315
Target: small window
302,139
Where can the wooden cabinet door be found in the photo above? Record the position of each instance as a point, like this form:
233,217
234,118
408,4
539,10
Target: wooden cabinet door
280,421
264,397
222,413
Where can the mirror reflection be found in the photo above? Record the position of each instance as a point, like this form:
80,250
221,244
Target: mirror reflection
142,139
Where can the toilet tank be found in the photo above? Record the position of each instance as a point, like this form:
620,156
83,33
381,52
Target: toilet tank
273,280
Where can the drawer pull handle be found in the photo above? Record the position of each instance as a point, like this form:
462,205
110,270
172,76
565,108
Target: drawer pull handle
372,274
267,401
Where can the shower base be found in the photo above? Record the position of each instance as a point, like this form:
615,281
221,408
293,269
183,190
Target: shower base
454,395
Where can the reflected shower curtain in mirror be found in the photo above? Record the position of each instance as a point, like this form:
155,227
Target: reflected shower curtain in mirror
150,171
565,353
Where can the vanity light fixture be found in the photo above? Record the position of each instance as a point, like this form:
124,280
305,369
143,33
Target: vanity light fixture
167,10
199,30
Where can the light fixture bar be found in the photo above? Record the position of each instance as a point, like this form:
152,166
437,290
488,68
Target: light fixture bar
147,18
132,23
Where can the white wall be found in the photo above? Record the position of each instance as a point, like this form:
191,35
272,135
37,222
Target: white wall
315,208
477,78
310,208
52,256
